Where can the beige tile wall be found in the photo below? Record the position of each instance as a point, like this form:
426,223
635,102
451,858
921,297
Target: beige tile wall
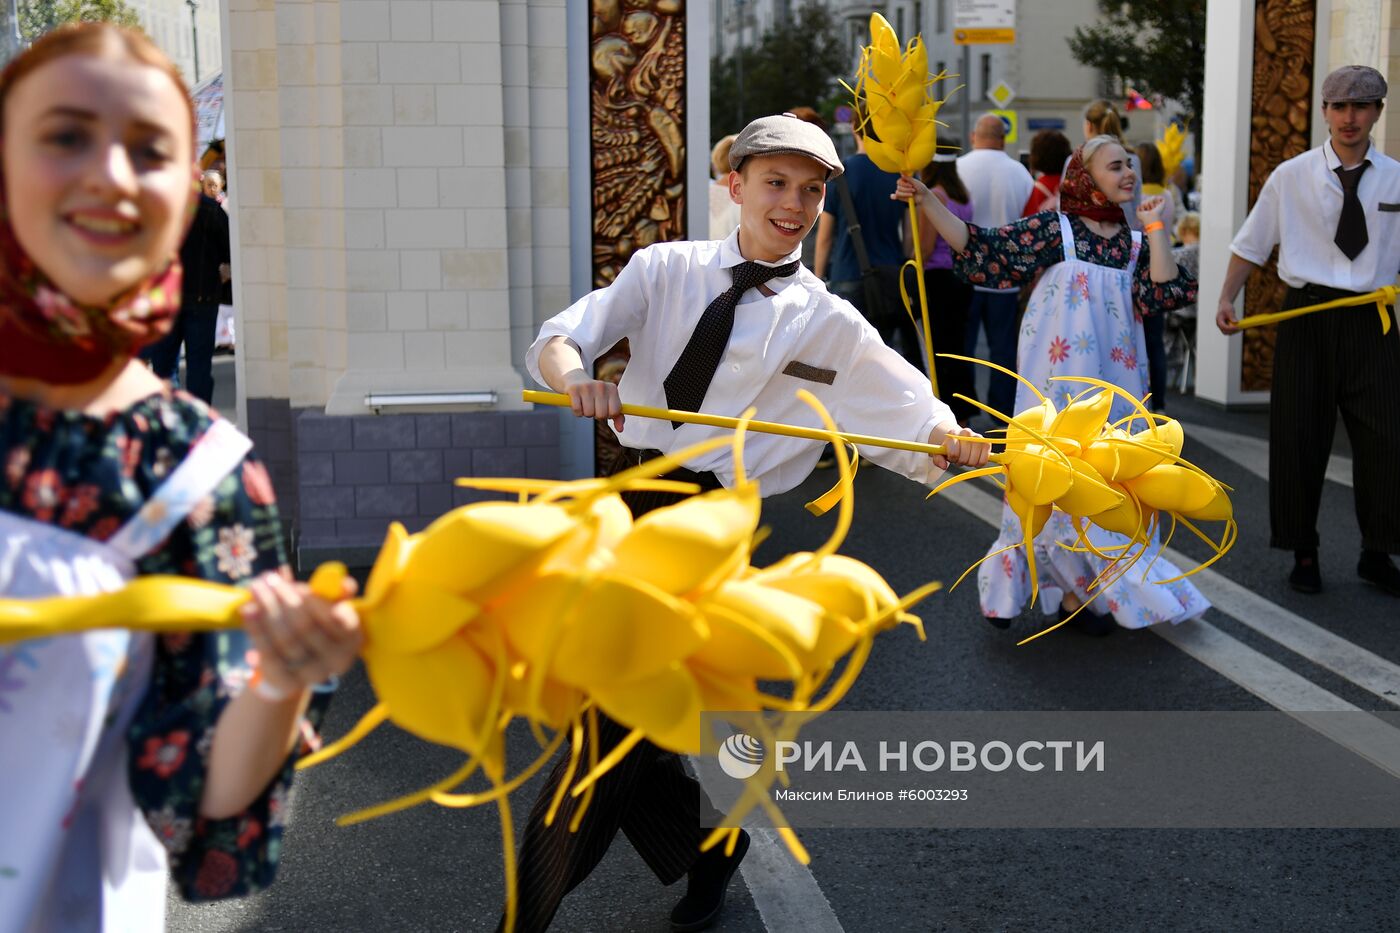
400,171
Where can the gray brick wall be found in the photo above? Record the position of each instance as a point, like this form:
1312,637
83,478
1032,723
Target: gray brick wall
354,475
271,426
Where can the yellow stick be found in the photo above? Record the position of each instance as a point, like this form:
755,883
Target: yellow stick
762,427
923,295
1380,298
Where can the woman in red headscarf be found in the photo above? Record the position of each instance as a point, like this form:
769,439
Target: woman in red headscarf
128,757
1084,319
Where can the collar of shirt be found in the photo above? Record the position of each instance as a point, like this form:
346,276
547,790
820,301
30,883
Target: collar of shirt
729,255
1334,162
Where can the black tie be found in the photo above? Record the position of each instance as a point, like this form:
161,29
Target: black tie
1351,235
690,377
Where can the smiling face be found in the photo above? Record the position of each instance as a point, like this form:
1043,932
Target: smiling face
97,159
1350,122
779,197
1109,169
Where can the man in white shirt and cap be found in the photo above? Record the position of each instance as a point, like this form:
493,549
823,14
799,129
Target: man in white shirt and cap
718,326
1334,213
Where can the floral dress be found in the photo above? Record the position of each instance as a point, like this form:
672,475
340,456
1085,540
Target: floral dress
115,727
1084,319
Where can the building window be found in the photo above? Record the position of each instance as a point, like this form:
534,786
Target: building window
899,22
918,16
940,12
942,67
986,74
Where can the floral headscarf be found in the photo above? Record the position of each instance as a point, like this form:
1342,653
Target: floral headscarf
45,334
1080,195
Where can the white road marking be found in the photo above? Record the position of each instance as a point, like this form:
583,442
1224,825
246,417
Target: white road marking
1252,453
1366,669
1368,736
785,892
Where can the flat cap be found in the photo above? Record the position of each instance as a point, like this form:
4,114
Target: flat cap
782,134
1353,82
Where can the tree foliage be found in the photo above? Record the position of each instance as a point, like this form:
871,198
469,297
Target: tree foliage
37,17
1157,46
791,65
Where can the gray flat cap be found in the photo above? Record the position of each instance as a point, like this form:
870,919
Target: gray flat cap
785,133
1353,82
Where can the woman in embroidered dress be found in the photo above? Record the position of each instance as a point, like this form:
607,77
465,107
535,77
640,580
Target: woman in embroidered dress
126,757
1084,319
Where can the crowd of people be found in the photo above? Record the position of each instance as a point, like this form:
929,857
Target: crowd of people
174,759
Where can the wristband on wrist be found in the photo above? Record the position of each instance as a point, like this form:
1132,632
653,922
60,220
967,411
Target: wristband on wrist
1155,225
259,685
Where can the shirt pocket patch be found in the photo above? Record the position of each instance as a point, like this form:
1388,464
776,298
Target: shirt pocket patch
810,373
1388,207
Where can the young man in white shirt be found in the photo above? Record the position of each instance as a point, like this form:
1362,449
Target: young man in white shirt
718,326
1334,213
999,186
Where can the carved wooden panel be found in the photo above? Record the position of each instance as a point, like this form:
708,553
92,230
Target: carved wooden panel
1281,126
637,98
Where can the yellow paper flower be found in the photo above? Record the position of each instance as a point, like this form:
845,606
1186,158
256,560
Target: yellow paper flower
559,606
892,91
1172,148
1098,473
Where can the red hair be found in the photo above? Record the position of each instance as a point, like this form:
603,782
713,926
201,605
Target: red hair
91,39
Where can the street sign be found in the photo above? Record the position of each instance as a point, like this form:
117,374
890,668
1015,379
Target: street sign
1011,122
984,22
1001,95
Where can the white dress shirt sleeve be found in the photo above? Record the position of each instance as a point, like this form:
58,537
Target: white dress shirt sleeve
886,397
1260,232
601,318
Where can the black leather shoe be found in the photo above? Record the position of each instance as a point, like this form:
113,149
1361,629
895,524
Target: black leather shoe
708,882
1090,623
1306,577
1376,568
996,622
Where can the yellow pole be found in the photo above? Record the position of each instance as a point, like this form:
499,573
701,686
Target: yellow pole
923,295
1380,298
760,427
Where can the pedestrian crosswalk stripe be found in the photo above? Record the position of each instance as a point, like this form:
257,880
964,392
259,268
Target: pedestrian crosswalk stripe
1368,736
1252,453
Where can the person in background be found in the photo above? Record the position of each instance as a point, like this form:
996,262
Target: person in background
999,186
1101,119
1154,325
880,224
948,296
205,257
213,184
1188,234
724,213
1050,150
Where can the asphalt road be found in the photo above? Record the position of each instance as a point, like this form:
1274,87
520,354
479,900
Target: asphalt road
440,870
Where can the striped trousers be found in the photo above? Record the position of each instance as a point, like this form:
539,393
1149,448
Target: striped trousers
1324,363
648,795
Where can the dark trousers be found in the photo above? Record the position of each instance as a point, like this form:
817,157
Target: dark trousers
648,795
895,326
999,313
1154,328
194,327
948,301
1325,362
